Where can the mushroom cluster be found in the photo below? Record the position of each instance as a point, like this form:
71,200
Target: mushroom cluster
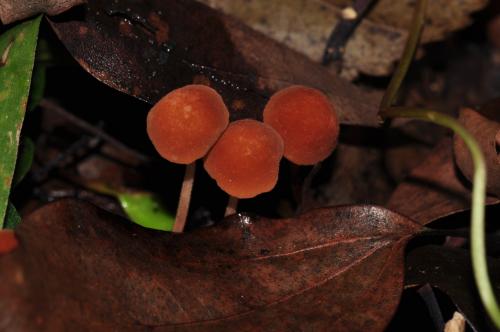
243,157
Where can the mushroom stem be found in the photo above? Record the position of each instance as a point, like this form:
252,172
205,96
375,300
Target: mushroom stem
184,199
232,206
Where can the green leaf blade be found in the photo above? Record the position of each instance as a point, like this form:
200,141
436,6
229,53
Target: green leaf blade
144,209
17,47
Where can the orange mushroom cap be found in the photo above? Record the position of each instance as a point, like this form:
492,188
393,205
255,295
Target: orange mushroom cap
8,241
245,160
307,122
185,123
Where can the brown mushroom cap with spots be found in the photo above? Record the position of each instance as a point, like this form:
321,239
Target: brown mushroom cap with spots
307,122
185,123
245,160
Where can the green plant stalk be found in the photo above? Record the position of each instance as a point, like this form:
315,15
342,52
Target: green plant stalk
417,25
478,245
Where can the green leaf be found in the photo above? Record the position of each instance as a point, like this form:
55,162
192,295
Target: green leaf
24,160
37,85
146,210
17,49
12,218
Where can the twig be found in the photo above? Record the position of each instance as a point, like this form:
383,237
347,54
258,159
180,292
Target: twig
335,46
427,294
417,25
86,142
52,106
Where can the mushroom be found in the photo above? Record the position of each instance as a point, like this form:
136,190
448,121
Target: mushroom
245,160
183,126
307,122
8,241
185,123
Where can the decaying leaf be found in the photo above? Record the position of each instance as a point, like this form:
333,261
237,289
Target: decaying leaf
485,128
305,25
146,49
434,189
330,269
15,10
450,270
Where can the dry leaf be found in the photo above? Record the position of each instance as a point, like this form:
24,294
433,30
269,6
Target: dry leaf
15,10
434,189
148,50
78,268
305,25
486,131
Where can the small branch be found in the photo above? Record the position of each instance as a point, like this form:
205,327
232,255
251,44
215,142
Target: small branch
52,106
232,206
417,25
427,294
184,199
335,46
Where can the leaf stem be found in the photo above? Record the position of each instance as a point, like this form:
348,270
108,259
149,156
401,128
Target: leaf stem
478,245
417,25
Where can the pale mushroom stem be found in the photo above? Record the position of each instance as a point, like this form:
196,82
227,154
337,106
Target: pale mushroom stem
184,199
232,206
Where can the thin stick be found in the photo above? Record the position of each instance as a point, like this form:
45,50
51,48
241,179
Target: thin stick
407,57
232,206
52,106
343,30
184,199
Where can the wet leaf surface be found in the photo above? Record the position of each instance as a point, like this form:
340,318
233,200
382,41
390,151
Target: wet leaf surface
434,189
330,269
147,48
450,270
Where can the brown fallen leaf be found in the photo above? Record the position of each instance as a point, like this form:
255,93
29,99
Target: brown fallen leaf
485,129
434,189
147,49
378,42
15,10
79,268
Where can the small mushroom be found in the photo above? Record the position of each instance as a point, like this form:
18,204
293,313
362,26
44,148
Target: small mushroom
245,160
185,123
307,122
8,241
183,126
